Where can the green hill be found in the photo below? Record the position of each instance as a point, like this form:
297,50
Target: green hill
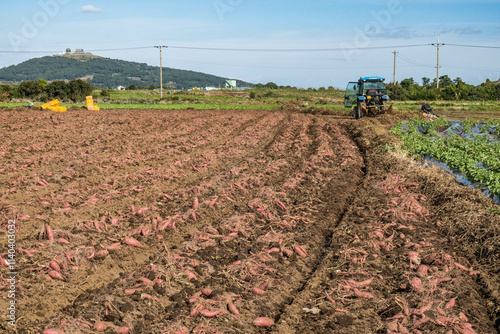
107,73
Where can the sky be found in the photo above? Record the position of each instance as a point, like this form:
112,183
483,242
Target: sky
305,44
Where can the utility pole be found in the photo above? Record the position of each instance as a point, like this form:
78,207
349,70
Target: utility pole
437,67
395,53
161,71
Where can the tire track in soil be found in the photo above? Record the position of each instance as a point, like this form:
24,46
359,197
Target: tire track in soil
286,320
100,278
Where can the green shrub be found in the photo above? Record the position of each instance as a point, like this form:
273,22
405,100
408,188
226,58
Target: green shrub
105,93
57,90
79,90
30,89
5,93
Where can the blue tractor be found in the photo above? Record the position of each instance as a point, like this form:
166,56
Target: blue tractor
368,96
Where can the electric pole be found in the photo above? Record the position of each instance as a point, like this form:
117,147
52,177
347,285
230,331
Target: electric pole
395,53
161,71
437,68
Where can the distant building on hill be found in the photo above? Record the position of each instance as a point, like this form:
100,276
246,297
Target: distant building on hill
77,52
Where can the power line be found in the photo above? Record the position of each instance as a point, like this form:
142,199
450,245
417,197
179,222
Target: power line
124,49
297,50
474,46
291,67
93,50
413,62
44,51
473,68
284,50
262,49
230,49
276,67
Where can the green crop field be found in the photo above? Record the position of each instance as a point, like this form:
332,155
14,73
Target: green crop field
468,147
267,99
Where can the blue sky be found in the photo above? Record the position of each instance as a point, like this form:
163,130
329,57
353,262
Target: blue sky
348,29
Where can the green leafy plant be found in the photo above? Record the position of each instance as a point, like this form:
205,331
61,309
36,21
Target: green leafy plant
476,156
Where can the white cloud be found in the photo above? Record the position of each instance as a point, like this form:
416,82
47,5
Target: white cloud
399,32
462,31
90,9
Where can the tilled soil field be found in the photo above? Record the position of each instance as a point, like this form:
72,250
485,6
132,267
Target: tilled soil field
237,222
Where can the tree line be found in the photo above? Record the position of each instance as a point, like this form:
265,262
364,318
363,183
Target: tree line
449,90
74,90
409,90
272,85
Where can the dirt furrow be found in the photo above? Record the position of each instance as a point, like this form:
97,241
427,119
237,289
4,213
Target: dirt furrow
287,321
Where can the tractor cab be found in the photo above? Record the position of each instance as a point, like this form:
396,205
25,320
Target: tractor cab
369,95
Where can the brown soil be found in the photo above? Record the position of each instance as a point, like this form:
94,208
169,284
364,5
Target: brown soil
311,221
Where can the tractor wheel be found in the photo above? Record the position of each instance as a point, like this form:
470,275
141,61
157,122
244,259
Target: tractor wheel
357,111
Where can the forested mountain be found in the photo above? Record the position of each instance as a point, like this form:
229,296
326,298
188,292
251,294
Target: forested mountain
107,73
